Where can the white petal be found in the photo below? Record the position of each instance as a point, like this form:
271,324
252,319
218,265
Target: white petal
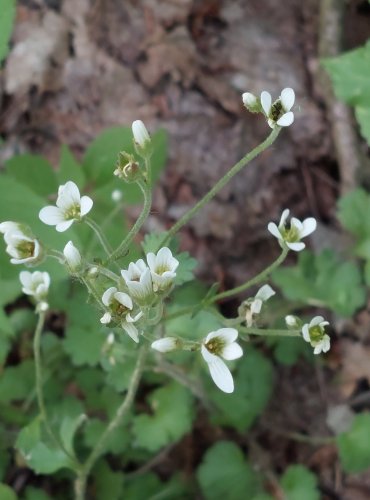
232,351
207,356
316,321
124,299
106,318
266,102
318,349
63,226
51,215
274,230
25,277
86,205
326,343
221,375
297,224
287,98
286,120
68,196
306,333
227,335
265,292
9,226
309,226
131,330
107,295
296,247
256,306
284,217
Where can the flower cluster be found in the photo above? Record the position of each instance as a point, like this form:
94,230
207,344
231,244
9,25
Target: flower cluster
145,283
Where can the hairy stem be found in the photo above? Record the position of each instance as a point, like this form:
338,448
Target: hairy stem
80,483
121,250
102,239
253,281
269,332
220,184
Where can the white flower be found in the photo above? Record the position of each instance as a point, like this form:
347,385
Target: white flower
72,256
119,306
35,284
140,133
21,245
138,279
217,345
162,267
166,344
291,237
253,306
314,333
278,113
70,207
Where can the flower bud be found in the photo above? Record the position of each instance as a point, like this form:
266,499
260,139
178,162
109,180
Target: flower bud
142,139
117,195
251,102
166,344
72,256
292,321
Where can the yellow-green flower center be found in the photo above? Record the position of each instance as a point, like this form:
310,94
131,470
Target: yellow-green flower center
119,309
316,333
73,212
215,346
26,249
276,110
291,235
161,269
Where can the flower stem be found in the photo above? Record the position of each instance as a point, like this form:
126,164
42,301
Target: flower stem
234,291
269,332
102,239
220,184
121,250
253,281
80,483
39,390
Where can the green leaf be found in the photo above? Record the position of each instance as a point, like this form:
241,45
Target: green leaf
323,280
6,492
70,169
185,269
40,455
172,417
225,474
32,493
150,487
108,484
34,172
84,335
354,446
299,482
7,17
17,382
287,351
350,75
152,242
253,387
363,118
353,210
